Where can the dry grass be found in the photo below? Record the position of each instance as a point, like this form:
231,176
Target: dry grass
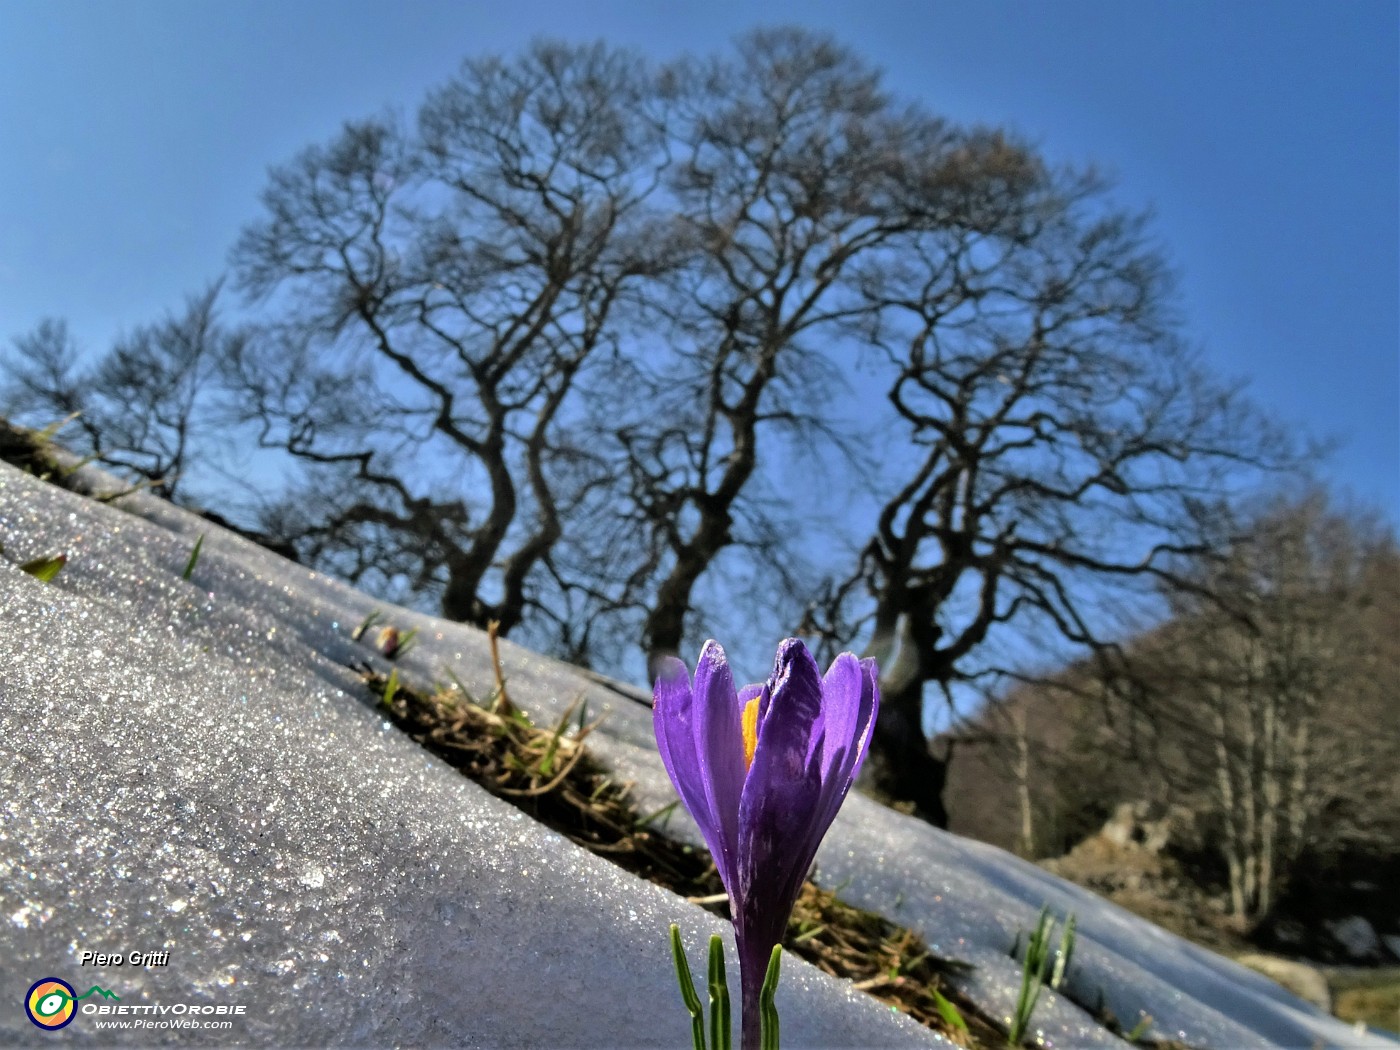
32,452
1372,997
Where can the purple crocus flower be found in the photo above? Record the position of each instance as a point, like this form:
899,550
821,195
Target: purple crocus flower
763,771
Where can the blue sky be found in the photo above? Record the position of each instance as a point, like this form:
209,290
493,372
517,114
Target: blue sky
136,135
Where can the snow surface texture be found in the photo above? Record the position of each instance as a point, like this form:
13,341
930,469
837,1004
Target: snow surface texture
191,767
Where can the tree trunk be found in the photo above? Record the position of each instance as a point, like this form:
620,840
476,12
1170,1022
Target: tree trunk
664,627
1224,781
901,770
461,600
1272,792
1249,801
1298,789
1023,784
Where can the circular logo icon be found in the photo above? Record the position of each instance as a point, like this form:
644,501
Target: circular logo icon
49,1003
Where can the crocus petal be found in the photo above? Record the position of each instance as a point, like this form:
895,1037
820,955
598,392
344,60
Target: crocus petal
798,681
851,700
777,836
673,716
841,700
720,752
869,712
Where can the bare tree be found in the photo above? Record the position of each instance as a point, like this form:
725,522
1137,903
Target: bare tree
143,407
792,167
1264,706
1055,442
438,295
1270,694
585,340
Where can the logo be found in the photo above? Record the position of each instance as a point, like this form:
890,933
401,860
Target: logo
51,1003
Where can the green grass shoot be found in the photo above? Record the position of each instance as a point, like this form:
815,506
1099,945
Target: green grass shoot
950,1013
1035,965
808,934
767,1008
1139,1029
692,1001
721,1036
369,621
48,433
45,568
660,814
552,748
1032,976
194,558
1064,954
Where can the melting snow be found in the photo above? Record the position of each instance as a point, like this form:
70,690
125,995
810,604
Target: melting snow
191,768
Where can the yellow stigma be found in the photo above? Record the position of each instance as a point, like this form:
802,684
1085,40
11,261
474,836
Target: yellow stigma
750,721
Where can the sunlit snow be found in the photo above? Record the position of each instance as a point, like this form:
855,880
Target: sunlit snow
192,768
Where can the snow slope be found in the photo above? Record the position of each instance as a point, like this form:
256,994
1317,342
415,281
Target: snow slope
191,768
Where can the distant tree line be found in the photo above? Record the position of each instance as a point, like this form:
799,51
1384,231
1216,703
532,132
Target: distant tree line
1266,704
610,353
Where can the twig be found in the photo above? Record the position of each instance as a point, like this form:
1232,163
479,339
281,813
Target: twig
502,697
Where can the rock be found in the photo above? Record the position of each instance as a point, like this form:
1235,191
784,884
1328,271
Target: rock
1289,932
1121,828
1392,943
1356,936
1133,825
1304,981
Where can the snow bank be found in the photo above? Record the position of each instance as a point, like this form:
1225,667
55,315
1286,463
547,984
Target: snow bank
191,768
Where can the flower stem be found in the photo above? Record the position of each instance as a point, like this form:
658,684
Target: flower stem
760,1013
